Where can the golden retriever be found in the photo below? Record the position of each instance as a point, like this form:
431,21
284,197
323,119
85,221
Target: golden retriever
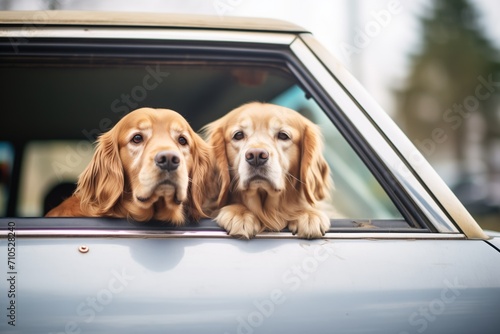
146,167
271,171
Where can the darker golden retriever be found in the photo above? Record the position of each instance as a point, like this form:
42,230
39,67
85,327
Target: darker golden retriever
271,171
150,165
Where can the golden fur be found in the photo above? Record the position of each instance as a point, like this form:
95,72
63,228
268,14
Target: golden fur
271,172
148,166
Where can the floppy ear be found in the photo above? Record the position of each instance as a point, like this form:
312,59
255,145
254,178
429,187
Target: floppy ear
101,183
200,176
215,137
314,170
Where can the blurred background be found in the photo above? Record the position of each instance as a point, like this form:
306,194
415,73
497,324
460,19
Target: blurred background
433,65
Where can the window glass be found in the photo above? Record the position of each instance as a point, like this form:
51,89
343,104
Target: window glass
70,105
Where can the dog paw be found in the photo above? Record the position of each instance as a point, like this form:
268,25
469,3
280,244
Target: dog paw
310,225
238,222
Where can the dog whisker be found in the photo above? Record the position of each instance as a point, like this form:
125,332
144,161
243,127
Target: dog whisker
234,183
290,177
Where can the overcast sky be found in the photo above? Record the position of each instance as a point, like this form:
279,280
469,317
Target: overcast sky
373,38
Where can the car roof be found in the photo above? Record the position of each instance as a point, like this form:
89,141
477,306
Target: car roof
129,19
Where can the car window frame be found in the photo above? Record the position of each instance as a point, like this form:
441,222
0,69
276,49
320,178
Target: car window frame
293,51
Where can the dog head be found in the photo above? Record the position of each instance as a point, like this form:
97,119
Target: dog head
269,149
143,167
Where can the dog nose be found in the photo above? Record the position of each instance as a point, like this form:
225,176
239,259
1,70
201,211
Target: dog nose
167,160
256,157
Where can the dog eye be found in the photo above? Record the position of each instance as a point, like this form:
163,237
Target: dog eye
283,136
137,139
182,140
239,135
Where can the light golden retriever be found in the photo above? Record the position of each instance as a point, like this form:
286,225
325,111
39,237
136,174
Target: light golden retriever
271,171
150,165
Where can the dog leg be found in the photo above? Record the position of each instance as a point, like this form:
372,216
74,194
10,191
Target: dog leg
238,221
310,225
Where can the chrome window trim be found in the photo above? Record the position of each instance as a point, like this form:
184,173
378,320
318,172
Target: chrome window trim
382,148
147,34
81,233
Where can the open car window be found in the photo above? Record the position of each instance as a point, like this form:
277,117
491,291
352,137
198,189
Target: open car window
63,101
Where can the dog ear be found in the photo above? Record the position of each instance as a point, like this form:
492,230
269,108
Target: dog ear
314,170
221,180
201,183
101,184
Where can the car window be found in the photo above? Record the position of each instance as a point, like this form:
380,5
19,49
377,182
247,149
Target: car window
51,168
71,100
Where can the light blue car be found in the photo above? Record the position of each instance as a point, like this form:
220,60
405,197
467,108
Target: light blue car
402,254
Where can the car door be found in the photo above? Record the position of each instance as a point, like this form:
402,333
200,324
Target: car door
402,254
200,279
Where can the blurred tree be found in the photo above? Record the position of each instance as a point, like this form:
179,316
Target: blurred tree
53,4
449,105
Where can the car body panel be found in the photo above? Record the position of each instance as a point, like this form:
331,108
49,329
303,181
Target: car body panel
494,240
34,20
186,285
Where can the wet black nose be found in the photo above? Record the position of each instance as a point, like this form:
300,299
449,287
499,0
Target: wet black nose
256,157
167,160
